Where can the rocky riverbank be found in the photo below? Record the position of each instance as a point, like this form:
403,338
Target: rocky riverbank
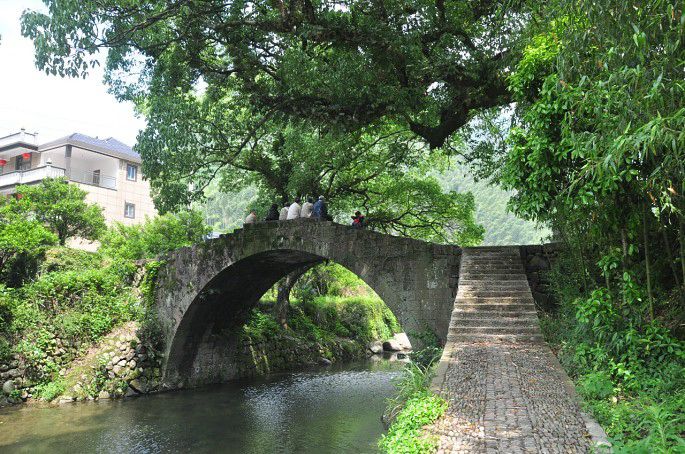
122,364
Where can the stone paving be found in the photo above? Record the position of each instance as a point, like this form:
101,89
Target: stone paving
506,393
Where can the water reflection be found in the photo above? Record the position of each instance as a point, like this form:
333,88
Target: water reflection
334,410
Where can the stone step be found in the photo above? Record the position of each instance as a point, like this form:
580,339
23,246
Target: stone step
473,314
516,330
483,284
491,272
495,299
492,293
483,308
496,338
492,266
468,252
494,321
470,260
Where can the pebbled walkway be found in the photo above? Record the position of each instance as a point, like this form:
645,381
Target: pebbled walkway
506,391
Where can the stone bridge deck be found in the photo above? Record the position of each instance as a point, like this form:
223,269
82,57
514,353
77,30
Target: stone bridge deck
506,391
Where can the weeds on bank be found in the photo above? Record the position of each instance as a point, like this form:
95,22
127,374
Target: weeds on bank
413,407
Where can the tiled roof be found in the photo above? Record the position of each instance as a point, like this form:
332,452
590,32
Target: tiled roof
110,143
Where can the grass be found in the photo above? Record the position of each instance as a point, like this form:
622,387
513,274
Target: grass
412,408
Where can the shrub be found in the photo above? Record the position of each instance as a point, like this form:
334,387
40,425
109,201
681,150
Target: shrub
68,259
405,435
49,391
597,385
155,236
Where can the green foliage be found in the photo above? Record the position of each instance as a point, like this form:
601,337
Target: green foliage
63,209
596,385
75,307
405,434
51,390
629,371
360,318
419,64
155,236
68,259
22,241
260,326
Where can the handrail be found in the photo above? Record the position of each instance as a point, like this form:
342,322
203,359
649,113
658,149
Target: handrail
50,171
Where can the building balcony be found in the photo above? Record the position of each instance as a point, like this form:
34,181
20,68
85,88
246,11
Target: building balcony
96,178
30,176
37,174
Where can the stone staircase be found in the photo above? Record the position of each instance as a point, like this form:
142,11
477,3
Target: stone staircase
494,302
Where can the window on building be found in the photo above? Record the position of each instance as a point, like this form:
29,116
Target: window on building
22,164
129,210
131,172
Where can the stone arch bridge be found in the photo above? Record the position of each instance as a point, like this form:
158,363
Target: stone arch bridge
206,291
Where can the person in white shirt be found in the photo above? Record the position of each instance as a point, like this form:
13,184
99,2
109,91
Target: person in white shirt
284,213
294,210
251,218
307,208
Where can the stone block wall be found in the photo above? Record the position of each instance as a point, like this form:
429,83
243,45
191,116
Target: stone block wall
538,261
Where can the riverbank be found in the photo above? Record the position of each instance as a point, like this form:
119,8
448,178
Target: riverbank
125,363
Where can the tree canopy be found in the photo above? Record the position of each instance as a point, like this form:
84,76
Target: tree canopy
62,208
426,65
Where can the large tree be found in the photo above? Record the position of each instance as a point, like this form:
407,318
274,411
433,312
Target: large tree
427,65
62,208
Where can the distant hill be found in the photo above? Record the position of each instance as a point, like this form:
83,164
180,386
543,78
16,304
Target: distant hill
226,211
501,227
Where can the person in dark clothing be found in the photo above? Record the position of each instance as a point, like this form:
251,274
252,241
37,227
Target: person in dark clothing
358,220
320,210
272,214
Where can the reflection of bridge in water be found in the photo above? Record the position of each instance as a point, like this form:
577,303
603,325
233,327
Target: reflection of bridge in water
507,393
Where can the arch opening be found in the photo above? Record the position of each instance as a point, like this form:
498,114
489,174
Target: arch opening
205,344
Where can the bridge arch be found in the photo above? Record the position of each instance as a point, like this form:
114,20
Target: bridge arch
205,292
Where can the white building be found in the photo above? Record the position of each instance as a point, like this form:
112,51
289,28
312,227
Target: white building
107,169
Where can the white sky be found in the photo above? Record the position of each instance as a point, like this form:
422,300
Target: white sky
50,105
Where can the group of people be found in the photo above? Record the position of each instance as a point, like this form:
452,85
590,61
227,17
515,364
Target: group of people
309,209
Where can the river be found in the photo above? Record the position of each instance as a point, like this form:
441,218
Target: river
332,410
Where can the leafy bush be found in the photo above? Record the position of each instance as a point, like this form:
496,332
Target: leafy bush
62,208
68,259
49,391
260,326
155,236
361,318
597,385
405,434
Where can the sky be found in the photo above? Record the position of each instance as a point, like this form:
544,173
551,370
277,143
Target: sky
50,105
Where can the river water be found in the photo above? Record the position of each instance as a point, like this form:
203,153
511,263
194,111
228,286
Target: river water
333,410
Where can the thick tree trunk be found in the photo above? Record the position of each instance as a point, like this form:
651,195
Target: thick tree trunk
283,297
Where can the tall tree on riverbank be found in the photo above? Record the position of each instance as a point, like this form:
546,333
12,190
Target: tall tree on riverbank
426,65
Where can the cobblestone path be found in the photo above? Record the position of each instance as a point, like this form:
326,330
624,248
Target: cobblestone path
506,391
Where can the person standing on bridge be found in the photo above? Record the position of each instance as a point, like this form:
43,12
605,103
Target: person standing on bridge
320,210
272,214
294,210
307,208
284,213
251,218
